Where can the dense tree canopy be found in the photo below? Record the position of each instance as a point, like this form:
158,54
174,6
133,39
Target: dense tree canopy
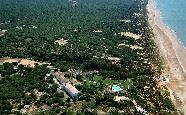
93,30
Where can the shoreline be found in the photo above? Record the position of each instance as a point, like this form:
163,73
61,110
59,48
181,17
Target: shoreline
173,53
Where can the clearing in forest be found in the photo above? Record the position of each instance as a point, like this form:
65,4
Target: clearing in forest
129,34
20,61
61,41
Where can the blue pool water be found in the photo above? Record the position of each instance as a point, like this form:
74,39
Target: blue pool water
116,88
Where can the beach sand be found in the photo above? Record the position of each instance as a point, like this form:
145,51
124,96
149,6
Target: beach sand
174,56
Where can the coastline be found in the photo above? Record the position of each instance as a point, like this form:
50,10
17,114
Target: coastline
173,54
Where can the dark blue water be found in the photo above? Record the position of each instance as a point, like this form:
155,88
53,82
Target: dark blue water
173,14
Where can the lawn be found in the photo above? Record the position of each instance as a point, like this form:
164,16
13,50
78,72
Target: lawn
107,82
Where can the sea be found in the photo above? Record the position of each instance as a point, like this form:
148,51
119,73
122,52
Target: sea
173,14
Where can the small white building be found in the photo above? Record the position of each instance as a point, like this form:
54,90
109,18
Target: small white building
72,91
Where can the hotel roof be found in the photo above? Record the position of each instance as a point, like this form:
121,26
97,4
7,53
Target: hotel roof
71,88
59,76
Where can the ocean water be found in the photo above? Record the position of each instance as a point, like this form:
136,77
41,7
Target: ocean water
173,14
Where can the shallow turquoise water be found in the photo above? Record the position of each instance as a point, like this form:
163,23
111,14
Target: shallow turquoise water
173,14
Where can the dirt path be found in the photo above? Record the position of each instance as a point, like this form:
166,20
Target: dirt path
174,55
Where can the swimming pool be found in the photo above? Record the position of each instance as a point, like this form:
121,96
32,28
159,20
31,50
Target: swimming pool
116,88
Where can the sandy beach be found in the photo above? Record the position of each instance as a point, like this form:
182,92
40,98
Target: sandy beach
174,56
